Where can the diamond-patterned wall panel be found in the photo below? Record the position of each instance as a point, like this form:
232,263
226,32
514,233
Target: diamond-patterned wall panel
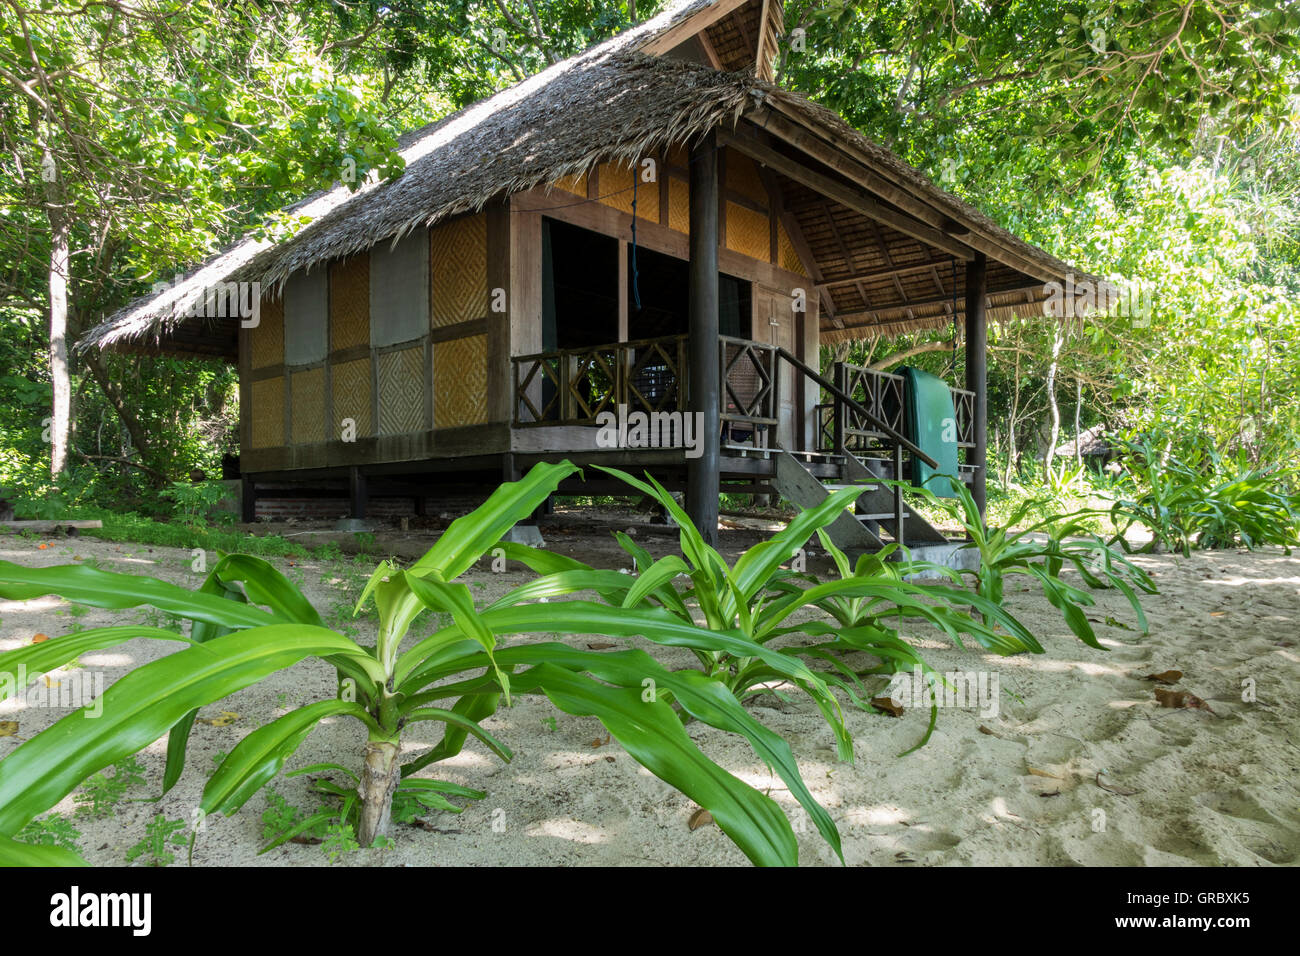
267,413
350,384
748,232
787,257
401,391
743,177
307,390
679,206
350,302
460,382
458,264
573,184
266,339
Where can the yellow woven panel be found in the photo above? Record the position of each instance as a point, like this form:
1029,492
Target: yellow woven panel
401,391
460,382
786,256
615,185
458,265
267,413
308,409
748,232
742,177
679,206
266,345
350,302
350,383
574,184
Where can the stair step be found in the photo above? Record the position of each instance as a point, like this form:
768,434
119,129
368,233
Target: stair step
882,516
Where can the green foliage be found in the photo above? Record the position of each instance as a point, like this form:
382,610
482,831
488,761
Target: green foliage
249,621
51,830
197,501
102,792
1041,550
160,836
1212,502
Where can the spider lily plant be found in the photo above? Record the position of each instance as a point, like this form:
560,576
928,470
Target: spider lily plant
248,621
754,602
1062,540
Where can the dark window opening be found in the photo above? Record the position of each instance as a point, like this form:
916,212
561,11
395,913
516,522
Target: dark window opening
663,283
579,287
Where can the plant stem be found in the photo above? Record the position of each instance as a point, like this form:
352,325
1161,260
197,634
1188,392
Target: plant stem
380,774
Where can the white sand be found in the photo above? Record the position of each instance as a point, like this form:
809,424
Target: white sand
1210,790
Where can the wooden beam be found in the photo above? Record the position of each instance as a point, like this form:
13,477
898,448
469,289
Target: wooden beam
885,272
789,129
977,373
854,198
692,25
704,389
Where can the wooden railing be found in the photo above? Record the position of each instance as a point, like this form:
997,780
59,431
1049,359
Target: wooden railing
573,386
881,393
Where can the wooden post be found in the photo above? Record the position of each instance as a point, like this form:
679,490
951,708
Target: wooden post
248,499
357,492
702,479
977,372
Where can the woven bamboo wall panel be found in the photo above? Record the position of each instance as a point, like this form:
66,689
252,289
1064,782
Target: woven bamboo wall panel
748,232
401,391
743,177
460,382
574,184
458,264
679,206
615,185
267,413
266,339
350,384
307,392
350,302
787,257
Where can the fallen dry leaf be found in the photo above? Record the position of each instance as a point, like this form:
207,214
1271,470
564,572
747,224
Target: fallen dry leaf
41,547
1165,677
1043,773
1181,699
40,638
600,646
887,705
600,743
1122,791
8,728
700,818
225,718
1051,793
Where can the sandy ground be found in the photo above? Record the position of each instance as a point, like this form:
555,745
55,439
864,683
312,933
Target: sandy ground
1015,787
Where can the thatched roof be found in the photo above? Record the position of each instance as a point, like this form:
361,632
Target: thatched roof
611,102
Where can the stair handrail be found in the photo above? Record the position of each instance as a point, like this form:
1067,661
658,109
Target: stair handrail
857,407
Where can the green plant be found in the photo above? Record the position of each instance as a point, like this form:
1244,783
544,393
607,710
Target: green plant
102,792
1041,550
52,830
160,835
755,602
233,643
195,501
1208,503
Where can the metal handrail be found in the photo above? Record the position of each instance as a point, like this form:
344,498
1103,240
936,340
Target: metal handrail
883,427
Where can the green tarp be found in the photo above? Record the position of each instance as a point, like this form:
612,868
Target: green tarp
931,422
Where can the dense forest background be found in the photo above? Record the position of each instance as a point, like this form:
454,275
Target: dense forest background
1154,142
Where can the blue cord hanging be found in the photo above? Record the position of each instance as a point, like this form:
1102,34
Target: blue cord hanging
636,288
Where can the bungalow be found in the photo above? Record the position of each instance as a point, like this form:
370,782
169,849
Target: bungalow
651,226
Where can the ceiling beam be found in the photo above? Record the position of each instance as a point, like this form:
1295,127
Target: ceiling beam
691,26
852,197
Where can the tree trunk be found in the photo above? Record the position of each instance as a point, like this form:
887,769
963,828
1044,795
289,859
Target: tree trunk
1078,432
1054,434
380,775
133,427
60,379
